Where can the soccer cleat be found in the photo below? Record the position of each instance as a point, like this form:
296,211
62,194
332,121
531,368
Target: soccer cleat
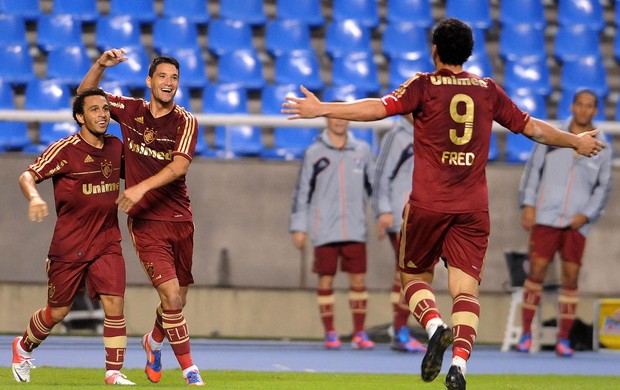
525,343
21,364
563,349
331,340
193,377
360,340
431,363
113,377
405,343
153,360
455,379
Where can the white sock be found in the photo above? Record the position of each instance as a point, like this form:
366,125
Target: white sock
460,362
188,369
22,352
111,372
154,344
432,325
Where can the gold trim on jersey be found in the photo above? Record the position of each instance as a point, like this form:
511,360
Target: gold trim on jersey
188,131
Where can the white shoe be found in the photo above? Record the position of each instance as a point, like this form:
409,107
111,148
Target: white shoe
192,376
113,377
21,363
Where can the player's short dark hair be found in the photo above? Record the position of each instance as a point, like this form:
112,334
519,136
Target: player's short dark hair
454,41
163,60
586,91
78,101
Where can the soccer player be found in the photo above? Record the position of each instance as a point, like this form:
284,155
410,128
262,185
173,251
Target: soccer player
447,213
562,194
391,188
86,246
329,204
159,139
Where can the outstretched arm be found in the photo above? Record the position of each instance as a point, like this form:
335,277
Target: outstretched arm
542,132
108,58
312,107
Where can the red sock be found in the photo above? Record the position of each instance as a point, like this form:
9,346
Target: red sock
326,308
465,318
568,306
114,341
421,299
358,298
39,327
532,291
177,334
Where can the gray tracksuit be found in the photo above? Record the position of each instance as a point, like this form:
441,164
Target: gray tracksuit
393,176
559,184
329,202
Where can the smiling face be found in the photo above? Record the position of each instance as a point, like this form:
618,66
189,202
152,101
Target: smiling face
96,117
163,84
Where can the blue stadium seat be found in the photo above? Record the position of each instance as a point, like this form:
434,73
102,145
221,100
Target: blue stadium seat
226,35
50,132
345,93
131,73
585,12
531,12
194,10
286,35
27,9
289,143
141,10
521,40
115,88
476,13
530,101
241,67
201,142
575,42
115,129
401,69
117,31
84,10
365,12
55,31
617,116
530,73
233,140
617,45
479,64
68,64
346,36
17,66
299,67
183,98
192,66
493,148
417,12
12,30
178,32
305,11
249,11
587,72
566,99
47,95
356,68
13,135
405,39
518,148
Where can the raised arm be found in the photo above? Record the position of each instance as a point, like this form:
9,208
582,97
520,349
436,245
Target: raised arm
312,107
108,58
542,132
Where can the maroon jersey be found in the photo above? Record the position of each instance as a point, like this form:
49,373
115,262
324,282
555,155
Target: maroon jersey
150,144
453,115
86,184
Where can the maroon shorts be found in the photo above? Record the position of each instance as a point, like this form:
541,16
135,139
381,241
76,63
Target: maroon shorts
545,241
353,255
103,276
164,248
460,239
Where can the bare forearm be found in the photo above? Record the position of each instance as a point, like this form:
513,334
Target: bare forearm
360,110
544,133
28,186
171,172
92,78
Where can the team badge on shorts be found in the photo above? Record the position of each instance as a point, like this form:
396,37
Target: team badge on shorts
106,168
150,270
51,290
149,135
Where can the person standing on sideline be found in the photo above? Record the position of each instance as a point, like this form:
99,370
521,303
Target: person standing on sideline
562,194
159,139
391,189
86,246
329,204
447,213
